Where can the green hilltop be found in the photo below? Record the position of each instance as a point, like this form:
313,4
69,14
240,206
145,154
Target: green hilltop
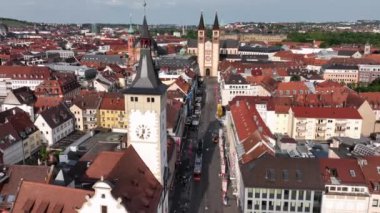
14,22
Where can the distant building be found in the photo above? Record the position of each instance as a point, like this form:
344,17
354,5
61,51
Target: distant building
341,73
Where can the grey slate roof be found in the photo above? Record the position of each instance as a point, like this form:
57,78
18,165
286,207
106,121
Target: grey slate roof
248,48
201,25
192,43
346,52
144,29
146,80
216,22
235,79
106,59
228,43
340,67
282,173
55,116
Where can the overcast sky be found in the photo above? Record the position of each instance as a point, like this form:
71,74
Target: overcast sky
187,11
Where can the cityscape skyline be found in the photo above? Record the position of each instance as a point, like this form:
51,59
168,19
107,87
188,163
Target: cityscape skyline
187,13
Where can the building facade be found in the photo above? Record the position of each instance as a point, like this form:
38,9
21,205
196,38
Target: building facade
208,51
324,123
347,74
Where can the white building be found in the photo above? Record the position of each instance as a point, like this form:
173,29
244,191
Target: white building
281,185
345,187
18,76
55,123
22,98
324,123
233,85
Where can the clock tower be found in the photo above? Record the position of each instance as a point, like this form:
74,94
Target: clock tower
145,103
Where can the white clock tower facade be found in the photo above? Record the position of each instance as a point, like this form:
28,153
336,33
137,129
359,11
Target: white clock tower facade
145,103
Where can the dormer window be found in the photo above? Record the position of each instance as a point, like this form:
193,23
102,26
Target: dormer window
378,170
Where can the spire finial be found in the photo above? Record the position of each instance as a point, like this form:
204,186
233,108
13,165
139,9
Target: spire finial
144,7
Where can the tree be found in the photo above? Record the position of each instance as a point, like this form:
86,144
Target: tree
295,78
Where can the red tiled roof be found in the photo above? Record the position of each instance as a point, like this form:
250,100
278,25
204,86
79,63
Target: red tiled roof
173,109
370,168
27,73
39,197
61,85
250,128
113,101
341,169
321,112
183,85
17,173
103,164
297,85
43,103
133,182
373,99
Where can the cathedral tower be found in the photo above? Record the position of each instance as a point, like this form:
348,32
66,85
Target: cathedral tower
208,50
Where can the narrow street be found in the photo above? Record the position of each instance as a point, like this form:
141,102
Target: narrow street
204,195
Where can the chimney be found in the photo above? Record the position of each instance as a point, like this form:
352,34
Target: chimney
238,103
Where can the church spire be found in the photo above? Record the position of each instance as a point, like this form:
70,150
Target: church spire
201,25
216,22
146,80
145,39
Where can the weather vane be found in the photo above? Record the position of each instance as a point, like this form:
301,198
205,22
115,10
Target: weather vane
144,7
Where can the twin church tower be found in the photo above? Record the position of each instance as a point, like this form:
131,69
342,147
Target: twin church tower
208,50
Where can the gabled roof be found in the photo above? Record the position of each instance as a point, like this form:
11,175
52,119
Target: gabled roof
173,109
8,136
24,95
370,167
373,99
133,182
40,197
89,101
112,101
346,171
18,173
347,52
56,116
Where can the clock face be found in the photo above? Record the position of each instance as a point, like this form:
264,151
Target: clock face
143,132
143,126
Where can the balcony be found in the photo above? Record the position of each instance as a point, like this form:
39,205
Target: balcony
320,130
341,123
340,130
87,115
301,123
321,124
301,129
